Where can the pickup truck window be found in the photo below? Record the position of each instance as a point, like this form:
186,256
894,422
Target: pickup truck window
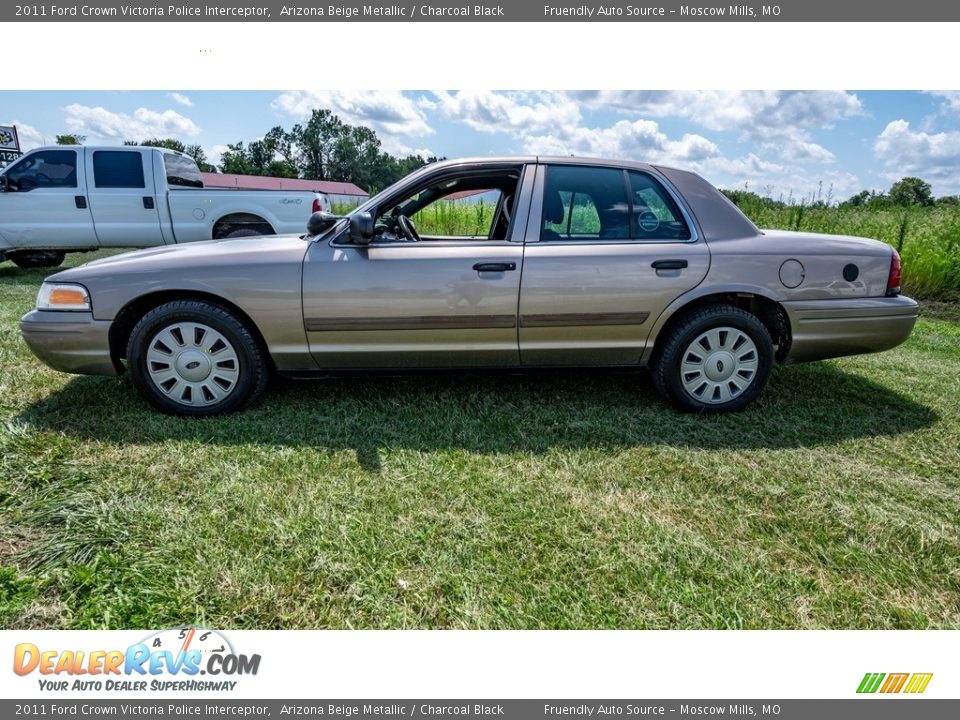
48,168
118,169
182,171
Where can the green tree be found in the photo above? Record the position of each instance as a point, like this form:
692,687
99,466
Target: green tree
315,142
200,157
236,159
195,151
168,143
911,191
859,200
71,139
356,156
323,148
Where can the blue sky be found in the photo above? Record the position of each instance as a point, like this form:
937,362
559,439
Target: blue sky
776,143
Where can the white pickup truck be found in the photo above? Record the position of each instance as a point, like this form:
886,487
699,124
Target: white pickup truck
56,200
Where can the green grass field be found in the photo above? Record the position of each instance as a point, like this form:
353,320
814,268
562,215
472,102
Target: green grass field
551,501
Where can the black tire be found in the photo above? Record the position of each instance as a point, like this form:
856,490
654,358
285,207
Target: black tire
37,258
252,373
244,232
671,354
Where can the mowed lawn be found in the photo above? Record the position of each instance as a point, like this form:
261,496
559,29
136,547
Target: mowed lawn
550,501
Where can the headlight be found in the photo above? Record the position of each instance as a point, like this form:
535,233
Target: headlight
63,296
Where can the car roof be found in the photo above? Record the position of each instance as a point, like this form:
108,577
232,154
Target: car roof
545,159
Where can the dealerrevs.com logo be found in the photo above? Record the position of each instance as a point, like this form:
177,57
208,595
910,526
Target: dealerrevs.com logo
181,659
887,684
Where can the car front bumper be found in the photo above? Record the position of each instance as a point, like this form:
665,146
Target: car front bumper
72,342
823,329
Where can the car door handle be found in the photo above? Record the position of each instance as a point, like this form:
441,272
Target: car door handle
668,264
494,266
81,202
148,202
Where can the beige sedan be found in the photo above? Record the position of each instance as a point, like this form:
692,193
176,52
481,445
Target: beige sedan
584,263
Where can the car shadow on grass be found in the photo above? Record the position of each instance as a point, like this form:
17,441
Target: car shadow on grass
804,406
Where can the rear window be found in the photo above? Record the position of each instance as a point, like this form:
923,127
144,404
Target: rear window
118,169
182,171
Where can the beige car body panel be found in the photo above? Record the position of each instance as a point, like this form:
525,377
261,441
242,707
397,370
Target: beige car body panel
322,304
593,302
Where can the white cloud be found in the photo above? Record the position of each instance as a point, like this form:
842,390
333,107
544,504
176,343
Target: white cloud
934,156
180,99
805,150
780,122
388,113
28,135
98,122
215,153
398,148
490,112
716,110
951,98
638,140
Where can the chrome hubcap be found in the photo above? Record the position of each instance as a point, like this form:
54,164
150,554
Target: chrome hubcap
719,365
192,364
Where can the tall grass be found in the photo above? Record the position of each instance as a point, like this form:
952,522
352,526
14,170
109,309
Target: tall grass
928,239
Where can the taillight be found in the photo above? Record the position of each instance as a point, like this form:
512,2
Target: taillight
316,205
893,279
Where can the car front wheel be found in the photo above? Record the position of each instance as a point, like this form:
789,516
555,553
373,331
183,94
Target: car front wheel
195,358
717,359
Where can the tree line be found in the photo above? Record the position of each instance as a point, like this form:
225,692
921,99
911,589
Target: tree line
906,192
322,148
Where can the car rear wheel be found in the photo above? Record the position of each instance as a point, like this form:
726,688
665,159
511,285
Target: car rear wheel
195,358
37,258
717,359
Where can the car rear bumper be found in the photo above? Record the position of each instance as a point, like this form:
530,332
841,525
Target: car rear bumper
71,342
823,329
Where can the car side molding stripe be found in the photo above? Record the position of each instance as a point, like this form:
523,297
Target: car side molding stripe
574,319
413,322
470,322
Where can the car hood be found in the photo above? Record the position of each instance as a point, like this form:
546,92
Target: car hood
826,244
212,252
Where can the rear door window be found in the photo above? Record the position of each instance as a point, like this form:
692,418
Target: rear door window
118,169
585,203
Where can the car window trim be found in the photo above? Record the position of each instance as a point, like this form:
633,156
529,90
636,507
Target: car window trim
533,231
524,197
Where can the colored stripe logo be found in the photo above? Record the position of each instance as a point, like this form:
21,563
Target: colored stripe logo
913,683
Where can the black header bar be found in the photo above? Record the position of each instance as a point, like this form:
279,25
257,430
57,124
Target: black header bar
505,11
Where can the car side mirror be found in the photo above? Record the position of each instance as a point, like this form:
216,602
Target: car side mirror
321,221
361,228
4,183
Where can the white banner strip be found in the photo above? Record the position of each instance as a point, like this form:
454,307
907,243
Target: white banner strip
486,664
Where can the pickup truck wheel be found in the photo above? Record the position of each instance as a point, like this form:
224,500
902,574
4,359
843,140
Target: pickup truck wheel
243,232
195,358
37,258
716,360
